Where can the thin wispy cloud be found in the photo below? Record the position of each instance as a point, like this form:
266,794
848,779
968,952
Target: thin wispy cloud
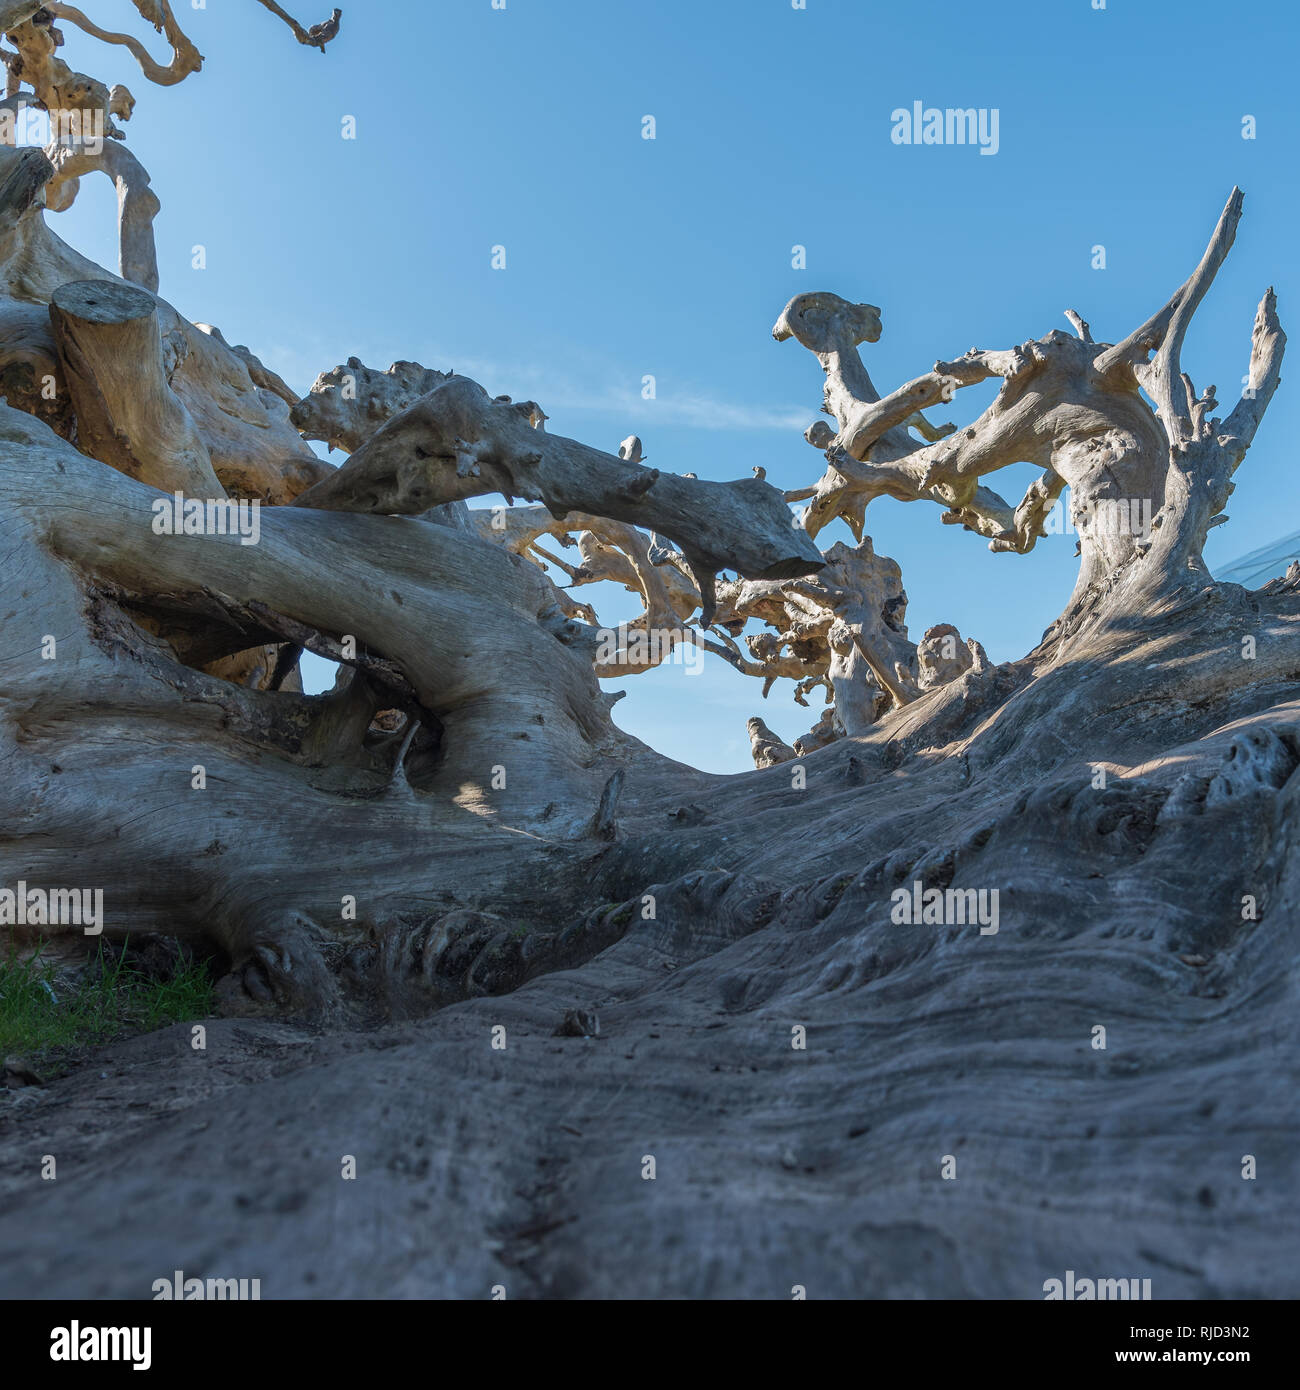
565,388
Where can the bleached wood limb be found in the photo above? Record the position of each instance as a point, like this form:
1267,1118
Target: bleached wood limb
765,747
1202,466
978,364
832,328
942,656
1068,405
185,59
127,415
92,142
23,173
1138,345
137,203
614,552
1028,519
14,12
866,423
456,443
461,621
349,403
315,37
1162,380
1263,376
262,376
1079,326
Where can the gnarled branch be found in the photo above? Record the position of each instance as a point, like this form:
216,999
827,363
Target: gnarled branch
456,442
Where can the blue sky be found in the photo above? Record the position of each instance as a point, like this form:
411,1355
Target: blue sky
522,127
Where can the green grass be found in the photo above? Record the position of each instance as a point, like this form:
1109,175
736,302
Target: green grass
45,1018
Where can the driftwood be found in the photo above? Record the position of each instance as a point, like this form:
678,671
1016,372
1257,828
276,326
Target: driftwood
111,351
461,816
84,136
457,443
381,558
1071,406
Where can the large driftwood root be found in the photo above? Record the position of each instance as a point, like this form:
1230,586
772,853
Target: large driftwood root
495,779
460,817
